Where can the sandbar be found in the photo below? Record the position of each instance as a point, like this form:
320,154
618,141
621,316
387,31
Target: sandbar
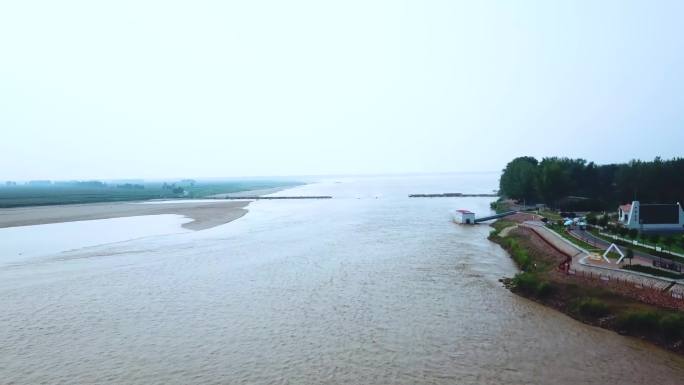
204,214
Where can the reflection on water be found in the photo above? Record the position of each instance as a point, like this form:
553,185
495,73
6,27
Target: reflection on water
369,287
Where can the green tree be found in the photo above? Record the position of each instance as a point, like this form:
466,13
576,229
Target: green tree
553,181
633,233
598,187
519,179
654,238
591,219
629,255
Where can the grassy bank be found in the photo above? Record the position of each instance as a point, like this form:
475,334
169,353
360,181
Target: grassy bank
58,193
599,306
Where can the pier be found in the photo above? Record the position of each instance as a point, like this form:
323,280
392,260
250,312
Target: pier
495,216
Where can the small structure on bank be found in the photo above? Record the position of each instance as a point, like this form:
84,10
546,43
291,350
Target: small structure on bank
652,217
617,249
464,217
604,256
467,217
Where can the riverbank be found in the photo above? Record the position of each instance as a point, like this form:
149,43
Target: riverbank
75,192
205,213
625,310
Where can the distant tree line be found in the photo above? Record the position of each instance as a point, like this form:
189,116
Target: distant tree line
131,186
58,183
81,183
174,189
575,184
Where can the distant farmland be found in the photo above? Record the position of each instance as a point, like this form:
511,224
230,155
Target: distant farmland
91,192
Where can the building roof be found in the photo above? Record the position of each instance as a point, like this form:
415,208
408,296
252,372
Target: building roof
465,212
625,208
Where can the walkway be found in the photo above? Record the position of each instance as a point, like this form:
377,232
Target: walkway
591,239
495,216
583,265
506,230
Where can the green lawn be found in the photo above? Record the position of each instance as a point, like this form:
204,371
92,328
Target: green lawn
561,231
501,224
551,215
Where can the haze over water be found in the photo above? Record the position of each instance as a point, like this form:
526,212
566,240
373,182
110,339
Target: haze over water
370,287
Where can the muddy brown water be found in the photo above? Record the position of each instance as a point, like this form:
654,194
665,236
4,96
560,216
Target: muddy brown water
370,287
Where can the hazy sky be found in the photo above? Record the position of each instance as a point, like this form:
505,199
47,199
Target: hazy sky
116,89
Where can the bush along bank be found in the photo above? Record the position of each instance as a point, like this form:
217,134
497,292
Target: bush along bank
540,281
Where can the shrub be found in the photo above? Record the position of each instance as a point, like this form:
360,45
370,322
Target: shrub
522,258
672,326
530,283
629,254
592,307
591,219
526,282
603,220
639,321
633,233
544,289
518,253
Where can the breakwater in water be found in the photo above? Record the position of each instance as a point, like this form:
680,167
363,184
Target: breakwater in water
453,195
275,198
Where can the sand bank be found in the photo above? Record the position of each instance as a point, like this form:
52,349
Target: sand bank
204,214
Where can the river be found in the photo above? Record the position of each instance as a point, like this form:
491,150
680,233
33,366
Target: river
370,287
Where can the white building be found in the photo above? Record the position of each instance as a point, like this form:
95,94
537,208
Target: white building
652,217
464,216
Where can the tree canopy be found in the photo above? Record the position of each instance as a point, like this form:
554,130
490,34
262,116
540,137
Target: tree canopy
580,185
519,178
